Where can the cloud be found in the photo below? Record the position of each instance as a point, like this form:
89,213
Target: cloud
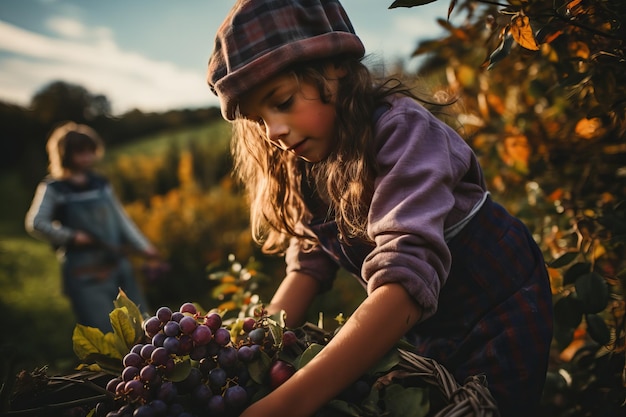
90,57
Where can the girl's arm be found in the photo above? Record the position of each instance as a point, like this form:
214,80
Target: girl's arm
39,221
294,295
375,326
130,231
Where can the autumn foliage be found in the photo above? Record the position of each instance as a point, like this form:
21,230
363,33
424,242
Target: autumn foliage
541,96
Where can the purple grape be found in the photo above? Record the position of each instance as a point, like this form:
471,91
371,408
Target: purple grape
289,338
177,316
137,348
134,389
216,405
198,353
112,384
236,398
185,345
171,344
214,321
119,390
159,407
249,324
257,336
133,359
171,328
201,394
227,358
148,373
129,373
146,351
167,392
245,354
160,356
222,336
164,314
144,411
152,326
202,335
188,308
217,377
188,324
158,339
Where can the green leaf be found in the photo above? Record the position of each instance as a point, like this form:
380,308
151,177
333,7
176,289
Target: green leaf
406,402
593,292
567,312
181,370
343,407
597,328
564,259
134,314
410,3
387,362
309,354
575,271
259,368
276,331
90,340
501,52
124,329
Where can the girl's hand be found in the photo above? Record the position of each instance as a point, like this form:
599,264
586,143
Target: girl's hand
151,252
374,327
82,239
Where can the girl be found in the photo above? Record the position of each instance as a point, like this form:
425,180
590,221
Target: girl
343,172
76,210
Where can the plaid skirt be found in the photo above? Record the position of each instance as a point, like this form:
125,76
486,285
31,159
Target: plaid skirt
494,316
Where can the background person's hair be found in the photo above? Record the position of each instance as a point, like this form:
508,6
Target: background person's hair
67,139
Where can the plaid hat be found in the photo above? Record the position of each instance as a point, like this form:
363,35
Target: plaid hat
260,38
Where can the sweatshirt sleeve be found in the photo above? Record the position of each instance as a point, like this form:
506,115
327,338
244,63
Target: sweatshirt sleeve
420,160
40,222
315,263
129,229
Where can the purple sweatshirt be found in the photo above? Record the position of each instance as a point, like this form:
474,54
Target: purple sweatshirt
429,185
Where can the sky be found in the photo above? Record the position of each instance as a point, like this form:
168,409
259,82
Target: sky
152,55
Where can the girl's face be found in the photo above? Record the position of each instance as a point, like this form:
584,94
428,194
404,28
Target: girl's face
293,114
83,160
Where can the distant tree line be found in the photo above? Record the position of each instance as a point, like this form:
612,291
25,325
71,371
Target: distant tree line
25,129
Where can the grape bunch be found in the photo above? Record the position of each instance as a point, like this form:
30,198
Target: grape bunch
197,365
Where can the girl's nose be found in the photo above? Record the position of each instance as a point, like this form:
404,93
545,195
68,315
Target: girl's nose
276,132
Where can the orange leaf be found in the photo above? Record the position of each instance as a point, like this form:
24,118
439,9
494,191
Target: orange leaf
522,32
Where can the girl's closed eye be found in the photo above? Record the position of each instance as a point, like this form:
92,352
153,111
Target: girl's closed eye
285,105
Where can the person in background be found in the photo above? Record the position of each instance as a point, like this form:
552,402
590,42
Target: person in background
343,170
75,209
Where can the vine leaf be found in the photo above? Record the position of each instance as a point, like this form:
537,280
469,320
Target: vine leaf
501,51
522,32
410,3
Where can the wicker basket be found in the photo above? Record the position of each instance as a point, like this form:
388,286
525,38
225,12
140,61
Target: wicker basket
472,399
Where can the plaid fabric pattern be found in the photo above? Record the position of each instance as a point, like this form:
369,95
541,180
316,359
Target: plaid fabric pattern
260,38
495,311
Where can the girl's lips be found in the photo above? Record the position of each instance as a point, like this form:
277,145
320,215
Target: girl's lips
297,145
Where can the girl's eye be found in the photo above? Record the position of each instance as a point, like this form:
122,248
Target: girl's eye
285,105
